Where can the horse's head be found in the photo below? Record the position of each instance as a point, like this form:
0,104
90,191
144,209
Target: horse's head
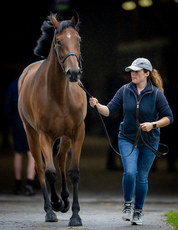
67,47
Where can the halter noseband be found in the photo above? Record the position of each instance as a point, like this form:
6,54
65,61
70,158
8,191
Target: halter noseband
62,60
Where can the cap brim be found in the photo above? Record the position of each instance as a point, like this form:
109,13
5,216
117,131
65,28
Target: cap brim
132,68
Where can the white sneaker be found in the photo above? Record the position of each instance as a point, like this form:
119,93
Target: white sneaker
136,219
126,212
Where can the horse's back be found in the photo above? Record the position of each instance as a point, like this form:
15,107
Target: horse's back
29,70
24,88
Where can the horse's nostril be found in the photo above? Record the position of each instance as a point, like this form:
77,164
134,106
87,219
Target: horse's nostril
74,74
68,73
80,73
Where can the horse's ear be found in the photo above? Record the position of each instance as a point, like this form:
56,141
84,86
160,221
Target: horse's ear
75,18
55,23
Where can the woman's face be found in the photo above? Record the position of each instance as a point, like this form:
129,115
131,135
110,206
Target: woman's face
139,76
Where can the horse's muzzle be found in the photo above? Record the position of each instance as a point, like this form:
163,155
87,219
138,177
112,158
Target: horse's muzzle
74,74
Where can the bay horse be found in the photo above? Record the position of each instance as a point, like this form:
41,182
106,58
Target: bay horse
52,105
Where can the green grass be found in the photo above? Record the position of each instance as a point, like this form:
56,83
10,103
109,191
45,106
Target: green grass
172,218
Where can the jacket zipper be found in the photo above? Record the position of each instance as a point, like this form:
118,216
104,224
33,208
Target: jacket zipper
138,106
137,113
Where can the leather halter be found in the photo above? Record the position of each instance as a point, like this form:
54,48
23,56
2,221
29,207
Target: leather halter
62,60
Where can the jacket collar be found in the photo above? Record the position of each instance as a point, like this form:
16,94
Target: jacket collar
148,89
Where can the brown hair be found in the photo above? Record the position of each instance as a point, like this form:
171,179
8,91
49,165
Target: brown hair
156,79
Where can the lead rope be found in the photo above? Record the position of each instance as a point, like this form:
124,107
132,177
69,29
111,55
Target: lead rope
147,144
140,134
105,129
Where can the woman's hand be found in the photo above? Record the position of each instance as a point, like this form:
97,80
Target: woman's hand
146,126
93,101
103,109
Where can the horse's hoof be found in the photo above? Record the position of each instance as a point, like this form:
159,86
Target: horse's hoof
75,221
51,217
66,207
57,206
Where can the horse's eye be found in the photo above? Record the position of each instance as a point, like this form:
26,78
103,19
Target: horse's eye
58,42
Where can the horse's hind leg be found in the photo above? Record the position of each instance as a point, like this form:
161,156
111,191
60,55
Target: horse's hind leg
62,158
75,219
46,144
33,140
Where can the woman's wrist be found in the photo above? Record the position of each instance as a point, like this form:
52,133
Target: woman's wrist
103,109
154,125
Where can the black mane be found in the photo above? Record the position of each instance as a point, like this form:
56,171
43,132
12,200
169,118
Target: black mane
44,42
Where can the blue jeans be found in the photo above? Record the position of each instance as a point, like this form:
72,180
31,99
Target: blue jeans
136,169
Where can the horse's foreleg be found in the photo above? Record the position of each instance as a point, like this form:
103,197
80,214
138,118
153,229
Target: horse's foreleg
56,201
62,158
50,215
74,175
33,140
75,219
50,172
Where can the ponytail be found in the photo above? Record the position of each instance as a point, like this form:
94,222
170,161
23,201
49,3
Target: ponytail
156,79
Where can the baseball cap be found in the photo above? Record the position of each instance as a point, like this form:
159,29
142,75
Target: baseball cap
138,64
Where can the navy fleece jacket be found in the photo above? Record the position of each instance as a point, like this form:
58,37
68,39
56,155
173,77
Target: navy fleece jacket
148,106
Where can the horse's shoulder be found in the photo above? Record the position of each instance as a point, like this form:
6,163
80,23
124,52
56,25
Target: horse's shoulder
78,96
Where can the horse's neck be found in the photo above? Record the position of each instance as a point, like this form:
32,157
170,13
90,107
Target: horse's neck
56,79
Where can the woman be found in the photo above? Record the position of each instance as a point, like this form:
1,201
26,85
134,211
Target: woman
144,105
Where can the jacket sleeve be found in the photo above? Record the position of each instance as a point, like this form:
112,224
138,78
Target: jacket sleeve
163,107
116,103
